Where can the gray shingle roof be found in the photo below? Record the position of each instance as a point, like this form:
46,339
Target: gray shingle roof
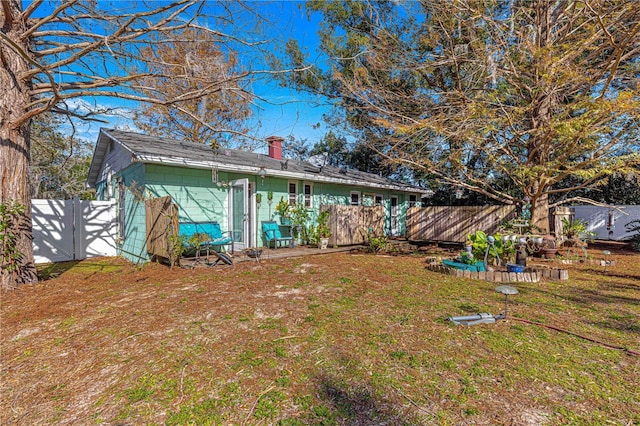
154,149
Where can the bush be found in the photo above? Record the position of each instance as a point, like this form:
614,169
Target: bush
479,240
379,244
576,228
634,226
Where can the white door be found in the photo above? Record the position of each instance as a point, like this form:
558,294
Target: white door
395,213
239,219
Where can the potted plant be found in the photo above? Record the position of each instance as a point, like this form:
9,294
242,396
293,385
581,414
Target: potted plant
299,217
283,209
575,232
323,230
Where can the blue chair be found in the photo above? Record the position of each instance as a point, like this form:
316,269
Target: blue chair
209,237
273,235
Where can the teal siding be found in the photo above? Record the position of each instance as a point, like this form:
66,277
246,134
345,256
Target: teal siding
101,191
134,246
199,199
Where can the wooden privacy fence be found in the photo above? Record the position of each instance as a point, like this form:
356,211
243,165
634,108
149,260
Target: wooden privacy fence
162,222
352,224
448,223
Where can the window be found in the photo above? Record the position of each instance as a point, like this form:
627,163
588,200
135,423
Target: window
372,200
413,200
293,193
308,196
355,198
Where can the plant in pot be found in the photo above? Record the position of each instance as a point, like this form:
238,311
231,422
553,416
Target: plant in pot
299,217
575,232
323,230
284,211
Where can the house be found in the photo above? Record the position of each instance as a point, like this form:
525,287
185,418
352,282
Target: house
221,185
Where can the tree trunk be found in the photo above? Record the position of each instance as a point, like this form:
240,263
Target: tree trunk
540,214
14,148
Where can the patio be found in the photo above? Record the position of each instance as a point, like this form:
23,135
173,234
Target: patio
267,254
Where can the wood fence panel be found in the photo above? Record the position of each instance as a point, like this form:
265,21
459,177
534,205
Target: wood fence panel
559,214
350,224
453,223
161,221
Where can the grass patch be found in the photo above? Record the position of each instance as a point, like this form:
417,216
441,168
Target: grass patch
363,340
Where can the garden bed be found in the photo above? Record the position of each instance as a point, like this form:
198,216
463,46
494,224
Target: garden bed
529,275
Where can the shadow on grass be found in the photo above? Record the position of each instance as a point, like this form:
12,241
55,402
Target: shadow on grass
356,405
627,325
50,271
589,297
54,270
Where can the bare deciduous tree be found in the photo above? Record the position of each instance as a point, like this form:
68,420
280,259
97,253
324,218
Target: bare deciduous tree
189,61
53,52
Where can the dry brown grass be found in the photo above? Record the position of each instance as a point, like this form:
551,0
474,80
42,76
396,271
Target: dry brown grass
333,339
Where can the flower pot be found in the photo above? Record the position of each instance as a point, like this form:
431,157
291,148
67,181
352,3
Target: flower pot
323,243
548,253
511,267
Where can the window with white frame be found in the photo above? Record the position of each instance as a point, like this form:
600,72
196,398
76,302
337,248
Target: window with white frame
413,200
308,195
293,193
355,198
379,200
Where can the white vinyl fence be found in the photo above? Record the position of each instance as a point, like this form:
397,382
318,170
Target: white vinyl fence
73,229
607,222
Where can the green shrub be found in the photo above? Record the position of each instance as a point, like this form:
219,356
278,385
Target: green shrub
576,228
479,240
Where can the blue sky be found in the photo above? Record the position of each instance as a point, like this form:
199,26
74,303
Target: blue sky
282,111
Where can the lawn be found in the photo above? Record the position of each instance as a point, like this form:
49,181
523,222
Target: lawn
357,339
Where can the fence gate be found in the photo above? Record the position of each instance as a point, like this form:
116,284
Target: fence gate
74,229
162,221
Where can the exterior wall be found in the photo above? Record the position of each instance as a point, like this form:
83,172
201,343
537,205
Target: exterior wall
327,193
199,199
115,160
133,230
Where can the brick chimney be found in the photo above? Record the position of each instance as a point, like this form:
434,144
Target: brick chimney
275,147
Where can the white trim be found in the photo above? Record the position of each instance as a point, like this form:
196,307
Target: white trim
269,172
304,195
394,213
296,194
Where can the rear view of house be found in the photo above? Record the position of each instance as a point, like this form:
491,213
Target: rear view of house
236,189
